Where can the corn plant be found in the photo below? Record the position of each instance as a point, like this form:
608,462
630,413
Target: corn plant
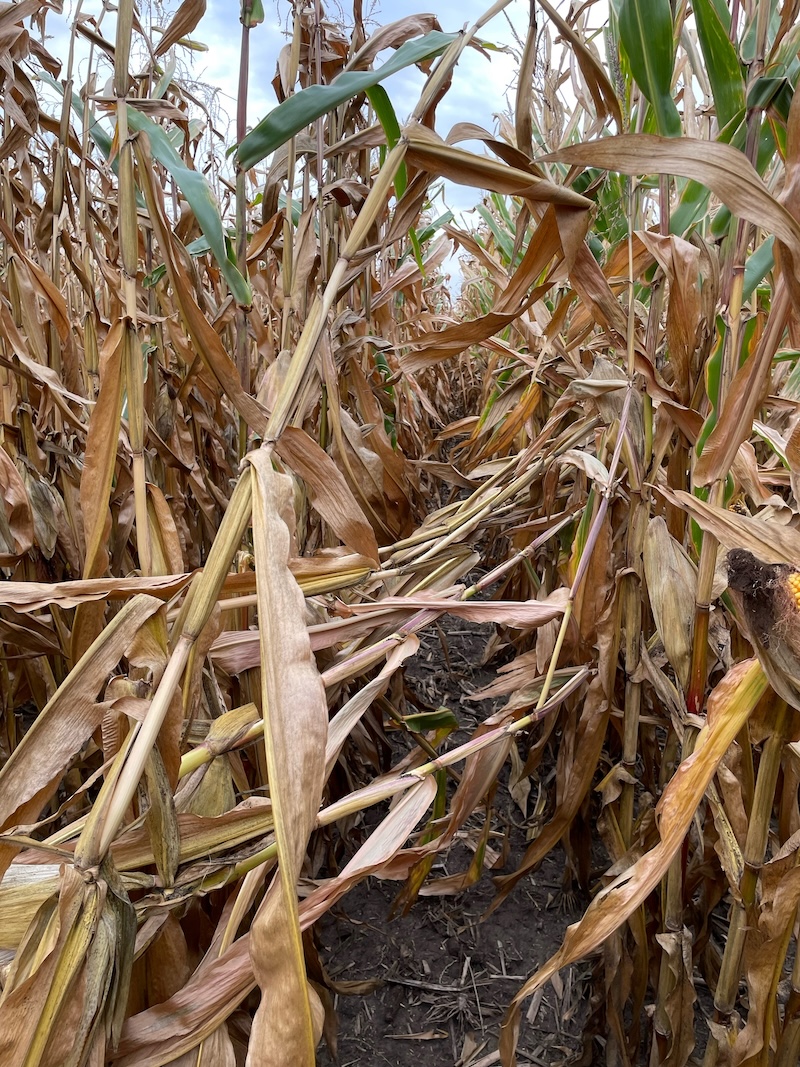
251,450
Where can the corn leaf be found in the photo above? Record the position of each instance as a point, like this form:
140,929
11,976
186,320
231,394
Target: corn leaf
646,31
722,63
300,110
195,188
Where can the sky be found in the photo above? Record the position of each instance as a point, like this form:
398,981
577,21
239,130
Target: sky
480,86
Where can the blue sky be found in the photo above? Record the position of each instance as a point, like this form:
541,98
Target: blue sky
479,90
480,86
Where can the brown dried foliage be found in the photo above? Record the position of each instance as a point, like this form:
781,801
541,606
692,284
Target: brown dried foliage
225,521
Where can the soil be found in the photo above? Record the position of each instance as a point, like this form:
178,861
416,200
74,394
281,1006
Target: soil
444,974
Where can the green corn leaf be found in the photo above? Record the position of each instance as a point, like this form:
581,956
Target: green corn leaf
721,8
430,230
722,62
416,247
300,110
771,92
252,13
100,137
503,239
693,207
165,80
423,721
195,188
695,197
198,247
791,389
382,106
192,184
645,28
758,266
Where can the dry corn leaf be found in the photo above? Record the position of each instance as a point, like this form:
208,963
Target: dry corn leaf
181,24
345,719
428,152
672,588
286,1027
726,171
17,514
101,451
34,769
23,890
679,1004
765,956
392,35
199,835
376,851
509,613
329,492
769,541
680,262
728,709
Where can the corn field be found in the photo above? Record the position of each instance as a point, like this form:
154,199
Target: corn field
254,447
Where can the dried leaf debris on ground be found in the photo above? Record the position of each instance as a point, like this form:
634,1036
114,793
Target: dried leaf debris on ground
328,595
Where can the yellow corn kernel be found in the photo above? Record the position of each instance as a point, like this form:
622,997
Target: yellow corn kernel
794,586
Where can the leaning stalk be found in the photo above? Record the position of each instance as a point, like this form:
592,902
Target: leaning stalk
204,594
127,771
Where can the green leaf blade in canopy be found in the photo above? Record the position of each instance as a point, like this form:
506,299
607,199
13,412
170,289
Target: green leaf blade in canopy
198,195
192,184
305,107
646,31
382,106
758,266
722,63
96,131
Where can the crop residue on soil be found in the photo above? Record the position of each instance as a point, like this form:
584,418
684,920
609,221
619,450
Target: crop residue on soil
443,975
